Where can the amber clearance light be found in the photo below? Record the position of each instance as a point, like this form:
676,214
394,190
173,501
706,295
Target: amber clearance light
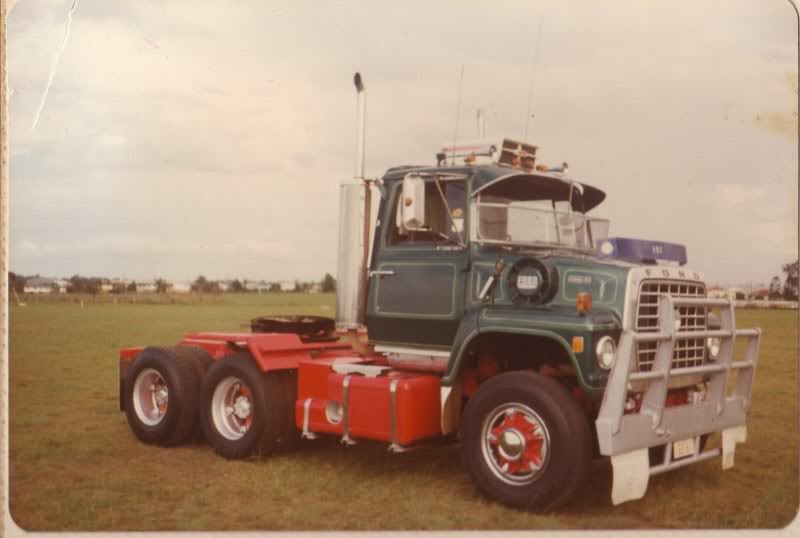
583,302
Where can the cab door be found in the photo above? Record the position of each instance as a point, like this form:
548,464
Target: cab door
417,279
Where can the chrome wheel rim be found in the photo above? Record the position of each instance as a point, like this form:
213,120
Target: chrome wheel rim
515,443
150,397
232,408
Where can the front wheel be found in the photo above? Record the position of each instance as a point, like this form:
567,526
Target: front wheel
525,441
241,408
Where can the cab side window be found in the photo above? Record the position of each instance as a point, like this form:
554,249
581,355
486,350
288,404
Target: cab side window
440,228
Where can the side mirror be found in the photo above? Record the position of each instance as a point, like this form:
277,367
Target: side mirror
412,202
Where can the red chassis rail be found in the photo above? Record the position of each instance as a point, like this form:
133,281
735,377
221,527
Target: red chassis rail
271,351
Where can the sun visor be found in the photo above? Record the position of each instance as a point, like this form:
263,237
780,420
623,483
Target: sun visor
542,187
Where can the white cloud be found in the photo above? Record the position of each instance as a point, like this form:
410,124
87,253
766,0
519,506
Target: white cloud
190,137
734,196
110,140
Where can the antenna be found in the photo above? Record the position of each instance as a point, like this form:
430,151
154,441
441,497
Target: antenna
533,77
458,110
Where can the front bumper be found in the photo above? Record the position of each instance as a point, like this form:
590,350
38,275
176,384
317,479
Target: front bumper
626,437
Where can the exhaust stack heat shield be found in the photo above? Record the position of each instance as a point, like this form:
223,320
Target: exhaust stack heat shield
351,284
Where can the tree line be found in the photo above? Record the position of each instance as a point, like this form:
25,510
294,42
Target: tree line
786,290
94,285
789,290
202,285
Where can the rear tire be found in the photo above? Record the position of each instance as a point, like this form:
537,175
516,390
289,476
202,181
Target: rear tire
242,410
161,391
525,441
200,359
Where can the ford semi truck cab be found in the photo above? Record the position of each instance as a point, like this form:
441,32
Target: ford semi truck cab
484,304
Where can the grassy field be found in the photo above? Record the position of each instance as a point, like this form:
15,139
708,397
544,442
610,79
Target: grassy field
75,465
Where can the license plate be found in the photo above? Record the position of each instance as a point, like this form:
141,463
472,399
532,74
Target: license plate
681,449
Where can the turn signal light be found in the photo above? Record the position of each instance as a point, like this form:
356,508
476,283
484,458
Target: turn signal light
577,344
583,302
541,167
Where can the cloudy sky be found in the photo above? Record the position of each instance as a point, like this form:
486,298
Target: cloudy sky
210,138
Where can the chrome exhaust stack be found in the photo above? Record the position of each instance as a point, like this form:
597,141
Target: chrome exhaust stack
354,227
362,125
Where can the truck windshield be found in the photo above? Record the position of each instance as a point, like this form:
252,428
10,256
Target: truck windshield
541,222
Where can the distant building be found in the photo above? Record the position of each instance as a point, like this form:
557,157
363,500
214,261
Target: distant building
287,286
735,293
106,287
717,293
316,287
40,285
759,295
181,287
259,286
146,286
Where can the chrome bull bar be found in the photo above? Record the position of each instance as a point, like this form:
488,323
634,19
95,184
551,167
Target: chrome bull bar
626,437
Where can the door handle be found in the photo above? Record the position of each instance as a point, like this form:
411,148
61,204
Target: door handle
381,273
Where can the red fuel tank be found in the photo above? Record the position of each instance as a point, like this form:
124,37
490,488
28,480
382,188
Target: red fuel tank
396,407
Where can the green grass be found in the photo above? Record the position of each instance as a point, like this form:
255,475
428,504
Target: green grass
75,465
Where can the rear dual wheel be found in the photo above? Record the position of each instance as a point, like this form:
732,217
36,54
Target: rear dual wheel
160,397
243,411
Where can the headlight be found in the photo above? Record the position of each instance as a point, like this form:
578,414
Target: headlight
713,348
605,352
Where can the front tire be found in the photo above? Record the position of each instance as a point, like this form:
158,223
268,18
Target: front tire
241,409
525,441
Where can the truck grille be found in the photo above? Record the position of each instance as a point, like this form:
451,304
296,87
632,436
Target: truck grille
688,351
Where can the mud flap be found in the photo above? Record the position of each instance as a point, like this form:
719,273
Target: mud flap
730,437
631,472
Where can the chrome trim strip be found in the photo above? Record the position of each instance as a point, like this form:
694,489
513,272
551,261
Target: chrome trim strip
394,447
307,434
346,439
367,370
412,351
450,410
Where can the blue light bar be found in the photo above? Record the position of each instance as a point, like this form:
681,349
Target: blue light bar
641,250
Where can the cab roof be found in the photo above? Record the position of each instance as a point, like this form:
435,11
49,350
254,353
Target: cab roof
493,179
